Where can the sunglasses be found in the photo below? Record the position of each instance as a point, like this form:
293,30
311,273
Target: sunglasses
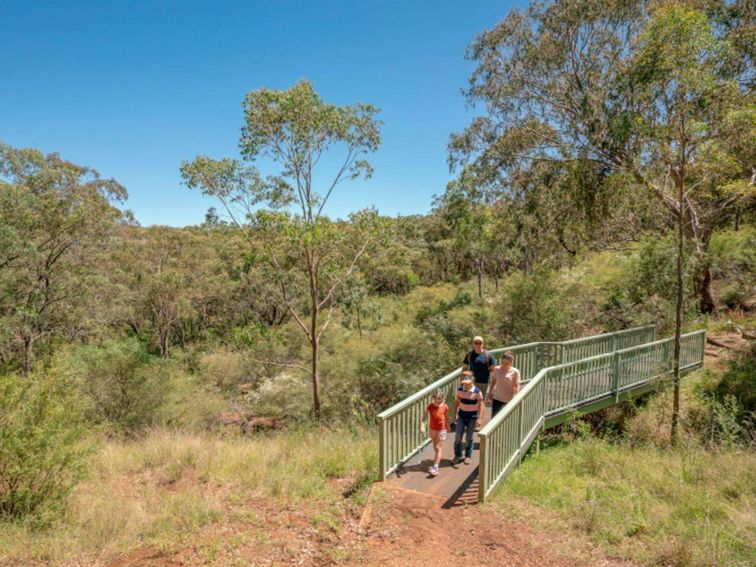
478,343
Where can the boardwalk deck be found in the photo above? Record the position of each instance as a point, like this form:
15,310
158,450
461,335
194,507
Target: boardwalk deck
457,483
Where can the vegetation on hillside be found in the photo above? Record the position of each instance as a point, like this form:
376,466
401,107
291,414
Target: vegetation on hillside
608,183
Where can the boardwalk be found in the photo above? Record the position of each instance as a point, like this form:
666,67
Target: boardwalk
458,484
550,397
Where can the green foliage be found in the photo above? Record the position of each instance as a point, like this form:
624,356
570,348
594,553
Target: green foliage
129,389
651,506
532,308
42,444
56,220
126,385
729,403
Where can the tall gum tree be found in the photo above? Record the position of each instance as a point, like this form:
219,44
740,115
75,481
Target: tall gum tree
564,81
659,93
282,216
56,219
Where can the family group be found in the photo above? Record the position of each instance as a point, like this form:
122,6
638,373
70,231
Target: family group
483,382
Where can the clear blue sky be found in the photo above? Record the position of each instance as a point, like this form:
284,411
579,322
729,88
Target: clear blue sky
133,88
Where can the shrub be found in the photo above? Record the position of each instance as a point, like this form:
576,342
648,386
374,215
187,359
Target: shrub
532,308
225,369
42,448
734,297
125,383
730,402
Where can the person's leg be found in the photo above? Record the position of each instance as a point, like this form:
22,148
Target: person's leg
497,405
437,448
483,387
458,432
469,432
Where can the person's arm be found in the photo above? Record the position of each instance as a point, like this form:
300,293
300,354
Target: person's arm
422,422
446,420
480,411
465,362
492,388
516,382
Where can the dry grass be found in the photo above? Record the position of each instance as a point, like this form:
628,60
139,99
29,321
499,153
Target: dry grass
637,498
161,490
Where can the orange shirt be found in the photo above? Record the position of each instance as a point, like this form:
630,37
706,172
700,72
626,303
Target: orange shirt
437,416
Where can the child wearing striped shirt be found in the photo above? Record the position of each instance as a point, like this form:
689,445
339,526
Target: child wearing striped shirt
468,406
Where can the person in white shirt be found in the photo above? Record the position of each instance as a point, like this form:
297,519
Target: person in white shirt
505,383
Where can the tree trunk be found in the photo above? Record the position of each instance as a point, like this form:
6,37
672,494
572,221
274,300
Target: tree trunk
359,322
315,343
479,266
703,289
164,344
28,363
314,339
678,315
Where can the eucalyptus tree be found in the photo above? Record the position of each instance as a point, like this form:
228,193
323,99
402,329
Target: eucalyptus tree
282,215
564,81
657,94
468,217
56,219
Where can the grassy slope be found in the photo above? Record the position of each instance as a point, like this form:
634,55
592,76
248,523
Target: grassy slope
162,490
687,506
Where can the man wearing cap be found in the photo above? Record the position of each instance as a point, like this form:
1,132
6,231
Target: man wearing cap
481,362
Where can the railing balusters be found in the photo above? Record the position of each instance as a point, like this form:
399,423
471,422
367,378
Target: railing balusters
399,425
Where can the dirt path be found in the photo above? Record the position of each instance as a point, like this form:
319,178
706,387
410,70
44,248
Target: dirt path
397,527
404,527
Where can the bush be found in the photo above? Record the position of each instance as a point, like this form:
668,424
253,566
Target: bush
734,297
731,401
126,385
532,308
42,448
225,369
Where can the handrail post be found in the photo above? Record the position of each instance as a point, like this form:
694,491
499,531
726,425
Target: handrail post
382,446
615,375
483,468
519,429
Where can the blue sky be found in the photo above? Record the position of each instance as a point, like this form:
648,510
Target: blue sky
134,88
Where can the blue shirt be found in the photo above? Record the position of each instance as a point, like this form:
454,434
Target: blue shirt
479,363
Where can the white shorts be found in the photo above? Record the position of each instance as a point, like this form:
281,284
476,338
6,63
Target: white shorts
440,432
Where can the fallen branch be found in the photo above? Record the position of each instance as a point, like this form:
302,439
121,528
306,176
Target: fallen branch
717,343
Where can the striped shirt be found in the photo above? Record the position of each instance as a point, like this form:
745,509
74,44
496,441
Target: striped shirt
468,400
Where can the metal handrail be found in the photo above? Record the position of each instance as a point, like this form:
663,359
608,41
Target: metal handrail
502,447
400,436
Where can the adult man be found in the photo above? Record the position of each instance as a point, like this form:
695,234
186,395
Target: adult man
505,383
481,362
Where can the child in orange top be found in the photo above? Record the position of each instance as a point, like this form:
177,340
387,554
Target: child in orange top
438,412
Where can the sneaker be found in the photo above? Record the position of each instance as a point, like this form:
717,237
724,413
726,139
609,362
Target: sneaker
467,460
456,460
433,470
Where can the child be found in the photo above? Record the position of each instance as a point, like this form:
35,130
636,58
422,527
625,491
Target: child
439,425
468,405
